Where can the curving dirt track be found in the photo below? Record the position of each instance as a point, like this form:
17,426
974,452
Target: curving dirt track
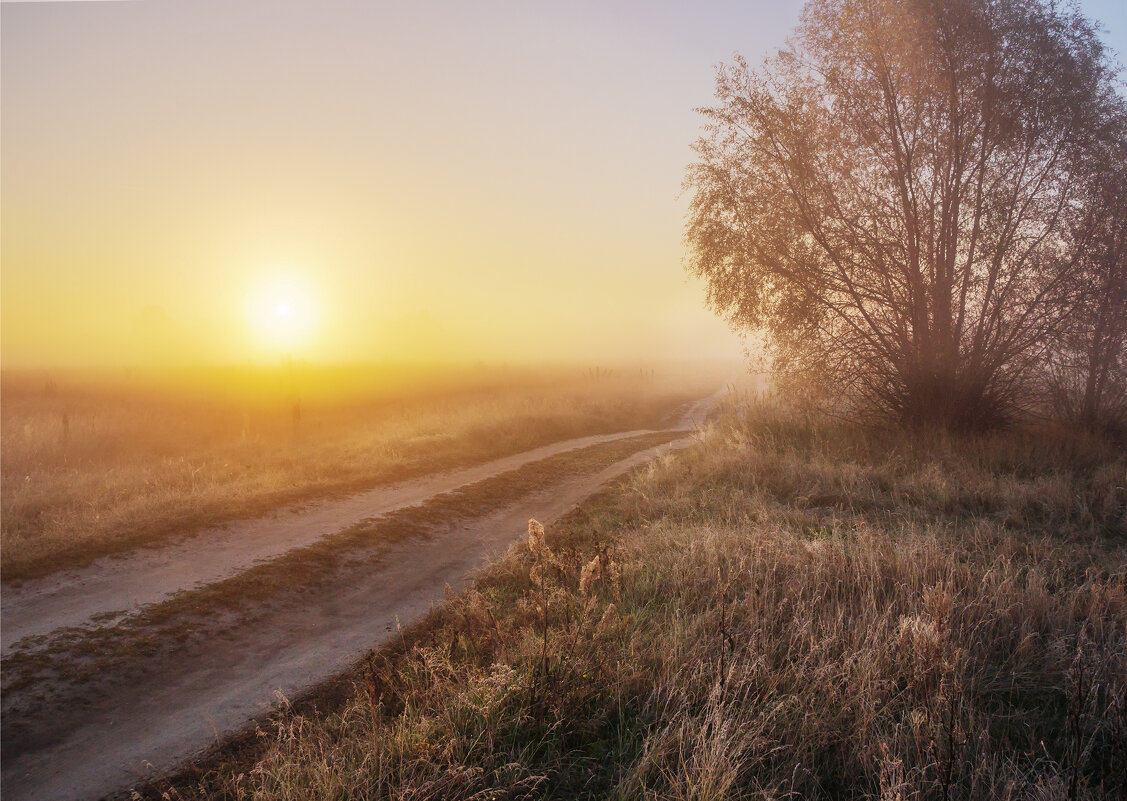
115,586
139,707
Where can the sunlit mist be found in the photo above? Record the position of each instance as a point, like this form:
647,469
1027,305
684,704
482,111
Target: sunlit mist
583,399
209,183
283,313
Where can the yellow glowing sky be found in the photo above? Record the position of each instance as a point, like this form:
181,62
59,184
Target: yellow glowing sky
439,181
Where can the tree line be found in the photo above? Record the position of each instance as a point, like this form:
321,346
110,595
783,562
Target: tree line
921,207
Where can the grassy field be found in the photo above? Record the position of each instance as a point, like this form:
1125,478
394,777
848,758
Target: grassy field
93,464
787,609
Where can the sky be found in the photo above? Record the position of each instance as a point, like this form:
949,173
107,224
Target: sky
194,182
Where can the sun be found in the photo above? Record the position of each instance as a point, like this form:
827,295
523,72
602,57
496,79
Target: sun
282,312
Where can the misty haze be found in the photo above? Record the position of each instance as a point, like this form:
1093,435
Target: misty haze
590,400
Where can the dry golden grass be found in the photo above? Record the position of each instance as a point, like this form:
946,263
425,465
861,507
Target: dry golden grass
788,609
91,467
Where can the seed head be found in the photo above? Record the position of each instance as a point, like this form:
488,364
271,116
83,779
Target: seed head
606,621
536,538
590,574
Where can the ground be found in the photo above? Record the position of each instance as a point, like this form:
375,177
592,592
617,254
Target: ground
774,606
123,666
787,608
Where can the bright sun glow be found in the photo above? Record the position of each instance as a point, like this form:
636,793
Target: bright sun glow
283,312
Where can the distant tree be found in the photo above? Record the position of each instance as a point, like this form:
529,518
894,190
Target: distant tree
1088,360
888,201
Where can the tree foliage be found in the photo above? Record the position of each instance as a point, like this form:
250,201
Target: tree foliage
894,201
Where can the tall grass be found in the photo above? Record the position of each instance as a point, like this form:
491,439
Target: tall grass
92,470
790,609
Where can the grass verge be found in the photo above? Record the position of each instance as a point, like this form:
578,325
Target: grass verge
788,609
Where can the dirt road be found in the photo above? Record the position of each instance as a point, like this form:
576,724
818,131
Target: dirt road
165,662
113,587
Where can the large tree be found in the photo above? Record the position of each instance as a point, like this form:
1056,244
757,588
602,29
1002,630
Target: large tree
888,201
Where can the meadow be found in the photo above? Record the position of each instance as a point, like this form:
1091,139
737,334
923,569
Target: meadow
95,463
791,608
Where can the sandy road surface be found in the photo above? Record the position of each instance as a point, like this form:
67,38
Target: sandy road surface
122,732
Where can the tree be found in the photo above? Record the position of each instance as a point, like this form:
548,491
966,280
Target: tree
1088,360
889,200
